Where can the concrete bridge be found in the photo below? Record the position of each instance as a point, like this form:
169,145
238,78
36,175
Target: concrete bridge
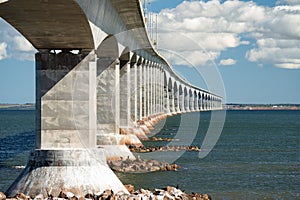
100,85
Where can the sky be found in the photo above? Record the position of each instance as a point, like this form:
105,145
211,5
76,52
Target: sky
248,49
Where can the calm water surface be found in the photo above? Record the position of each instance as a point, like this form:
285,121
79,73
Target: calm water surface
256,157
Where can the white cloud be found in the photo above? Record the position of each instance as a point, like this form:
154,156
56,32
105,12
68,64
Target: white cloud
17,46
3,53
212,26
21,44
227,62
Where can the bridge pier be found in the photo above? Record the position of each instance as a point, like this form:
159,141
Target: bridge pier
108,109
66,156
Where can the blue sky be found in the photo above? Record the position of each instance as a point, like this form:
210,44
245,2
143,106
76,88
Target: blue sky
254,47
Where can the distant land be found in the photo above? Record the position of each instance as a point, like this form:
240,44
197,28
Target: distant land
230,106
27,106
233,106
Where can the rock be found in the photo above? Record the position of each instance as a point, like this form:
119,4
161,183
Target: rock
109,192
168,193
39,197
168,189
106,195
154,168
143,191
170,168
200,196
89,195
73,198
2,196
163,168
65,194
206,197
130,188
22,196
168,196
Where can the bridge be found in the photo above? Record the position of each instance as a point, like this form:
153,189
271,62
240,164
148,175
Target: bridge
100,85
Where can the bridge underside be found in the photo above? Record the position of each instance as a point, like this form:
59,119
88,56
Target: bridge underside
50,25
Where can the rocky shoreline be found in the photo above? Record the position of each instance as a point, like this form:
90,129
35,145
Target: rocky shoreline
168,193
140,165
138,149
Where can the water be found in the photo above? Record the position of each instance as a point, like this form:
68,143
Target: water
16,140
256,157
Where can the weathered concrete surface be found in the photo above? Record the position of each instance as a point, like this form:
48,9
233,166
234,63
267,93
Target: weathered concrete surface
65,100
115,152
77,170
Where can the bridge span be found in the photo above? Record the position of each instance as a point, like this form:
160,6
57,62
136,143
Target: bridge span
100,85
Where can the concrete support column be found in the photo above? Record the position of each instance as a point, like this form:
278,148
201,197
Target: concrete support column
176,100
208,102
65,100
186,100
195,101
66,130
151,84
205,101
162,103
181,100
171,99
191,101
134,92
200,102
125,105
197,104
145,90
108,104
108,107
140,85
166,99
155,95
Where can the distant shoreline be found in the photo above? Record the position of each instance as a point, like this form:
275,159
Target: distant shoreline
27,106
261,107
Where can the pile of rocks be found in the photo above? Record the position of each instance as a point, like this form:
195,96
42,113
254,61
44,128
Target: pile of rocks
140,165
138,149
168,193
163,139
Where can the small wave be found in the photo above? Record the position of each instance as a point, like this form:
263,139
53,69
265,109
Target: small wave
18,167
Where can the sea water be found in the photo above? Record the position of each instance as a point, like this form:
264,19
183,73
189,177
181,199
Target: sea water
256,157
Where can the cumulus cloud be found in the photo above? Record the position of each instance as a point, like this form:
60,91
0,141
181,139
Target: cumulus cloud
17,46
3,53
21,44
272,34
227,62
